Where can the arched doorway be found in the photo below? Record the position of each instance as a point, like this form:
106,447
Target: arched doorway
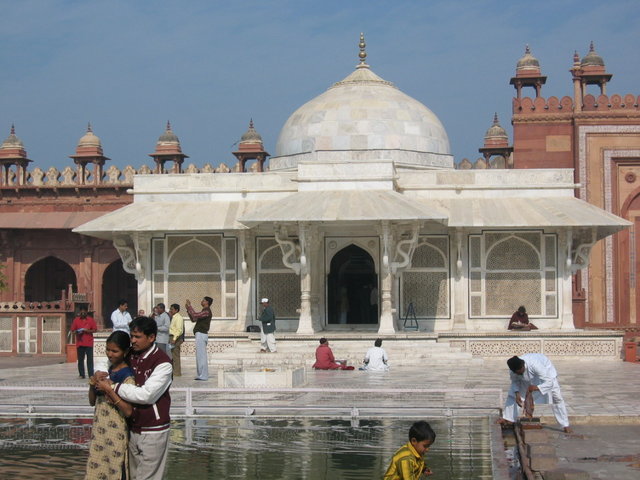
352,288
627,290
47,278
116,285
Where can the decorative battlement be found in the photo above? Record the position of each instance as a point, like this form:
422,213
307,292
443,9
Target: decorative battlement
484,164
590,103
541,105
112,177
615,102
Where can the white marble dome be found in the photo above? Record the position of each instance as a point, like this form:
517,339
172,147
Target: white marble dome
360,118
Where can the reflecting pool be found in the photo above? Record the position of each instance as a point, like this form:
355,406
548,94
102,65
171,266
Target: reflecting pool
256,448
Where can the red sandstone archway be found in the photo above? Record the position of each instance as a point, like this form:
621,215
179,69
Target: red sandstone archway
46,279
628,246
118,284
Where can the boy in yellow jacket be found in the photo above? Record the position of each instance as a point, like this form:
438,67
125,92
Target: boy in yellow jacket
408,462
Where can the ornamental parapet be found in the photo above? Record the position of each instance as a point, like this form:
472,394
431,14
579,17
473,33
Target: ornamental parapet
615,102
541,105
590,103
496,162
111,177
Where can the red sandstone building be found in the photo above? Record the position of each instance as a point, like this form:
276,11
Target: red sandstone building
49,270
598,135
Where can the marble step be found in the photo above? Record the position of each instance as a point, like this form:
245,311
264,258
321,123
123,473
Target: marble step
272,361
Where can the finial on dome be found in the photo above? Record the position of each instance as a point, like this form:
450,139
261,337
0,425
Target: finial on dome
13,129
168,126
495,119
89,129
576,57
251,123
363,53
591,47
527,49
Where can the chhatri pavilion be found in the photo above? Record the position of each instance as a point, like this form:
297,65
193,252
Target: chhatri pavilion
360,223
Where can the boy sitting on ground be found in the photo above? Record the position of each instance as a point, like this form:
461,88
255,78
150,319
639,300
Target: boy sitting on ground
408,462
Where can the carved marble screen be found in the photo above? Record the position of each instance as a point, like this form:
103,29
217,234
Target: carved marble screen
426,282
509,269
194,266
6,334
275,281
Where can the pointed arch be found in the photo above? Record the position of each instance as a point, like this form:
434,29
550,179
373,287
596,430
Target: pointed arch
116,285
425,283
352,287
47,278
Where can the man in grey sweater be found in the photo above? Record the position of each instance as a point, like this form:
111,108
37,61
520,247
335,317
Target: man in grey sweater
164,322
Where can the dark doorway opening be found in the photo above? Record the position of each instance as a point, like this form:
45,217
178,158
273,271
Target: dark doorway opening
117,285
47,278
352,288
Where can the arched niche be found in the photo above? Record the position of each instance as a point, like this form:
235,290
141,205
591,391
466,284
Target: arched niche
46,279
116,285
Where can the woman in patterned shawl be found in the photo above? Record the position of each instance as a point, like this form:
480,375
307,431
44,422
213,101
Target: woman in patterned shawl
108,452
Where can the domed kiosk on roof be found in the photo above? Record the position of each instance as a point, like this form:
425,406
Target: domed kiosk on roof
361,118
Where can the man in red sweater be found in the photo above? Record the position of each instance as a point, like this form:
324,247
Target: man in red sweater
325,359
84,327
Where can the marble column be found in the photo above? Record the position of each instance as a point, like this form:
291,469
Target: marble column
459,280
386,315
305,323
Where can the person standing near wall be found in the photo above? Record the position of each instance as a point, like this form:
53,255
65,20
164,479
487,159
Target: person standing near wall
176,337
268,321
84,327
120,318
164,322
201,331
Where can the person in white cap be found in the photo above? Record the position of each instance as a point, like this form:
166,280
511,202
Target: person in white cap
268,320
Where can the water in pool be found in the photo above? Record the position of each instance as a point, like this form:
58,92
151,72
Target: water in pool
255,448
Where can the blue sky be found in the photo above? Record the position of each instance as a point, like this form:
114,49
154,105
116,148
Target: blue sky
209,66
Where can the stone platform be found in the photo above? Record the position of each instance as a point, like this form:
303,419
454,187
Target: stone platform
263,378
242,350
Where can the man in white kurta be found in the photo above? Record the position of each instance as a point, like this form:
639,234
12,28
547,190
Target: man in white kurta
534,372
376,358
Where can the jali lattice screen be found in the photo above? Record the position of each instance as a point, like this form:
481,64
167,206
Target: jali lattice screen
509,269
426,282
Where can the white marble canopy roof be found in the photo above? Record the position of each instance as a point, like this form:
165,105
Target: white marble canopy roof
349,207
343,206
149,217
526,212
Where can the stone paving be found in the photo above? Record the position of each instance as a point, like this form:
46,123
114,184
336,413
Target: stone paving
603,400
591,388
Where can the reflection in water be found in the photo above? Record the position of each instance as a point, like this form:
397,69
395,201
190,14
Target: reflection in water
256,448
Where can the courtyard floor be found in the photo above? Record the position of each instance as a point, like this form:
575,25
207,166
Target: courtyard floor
602,396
